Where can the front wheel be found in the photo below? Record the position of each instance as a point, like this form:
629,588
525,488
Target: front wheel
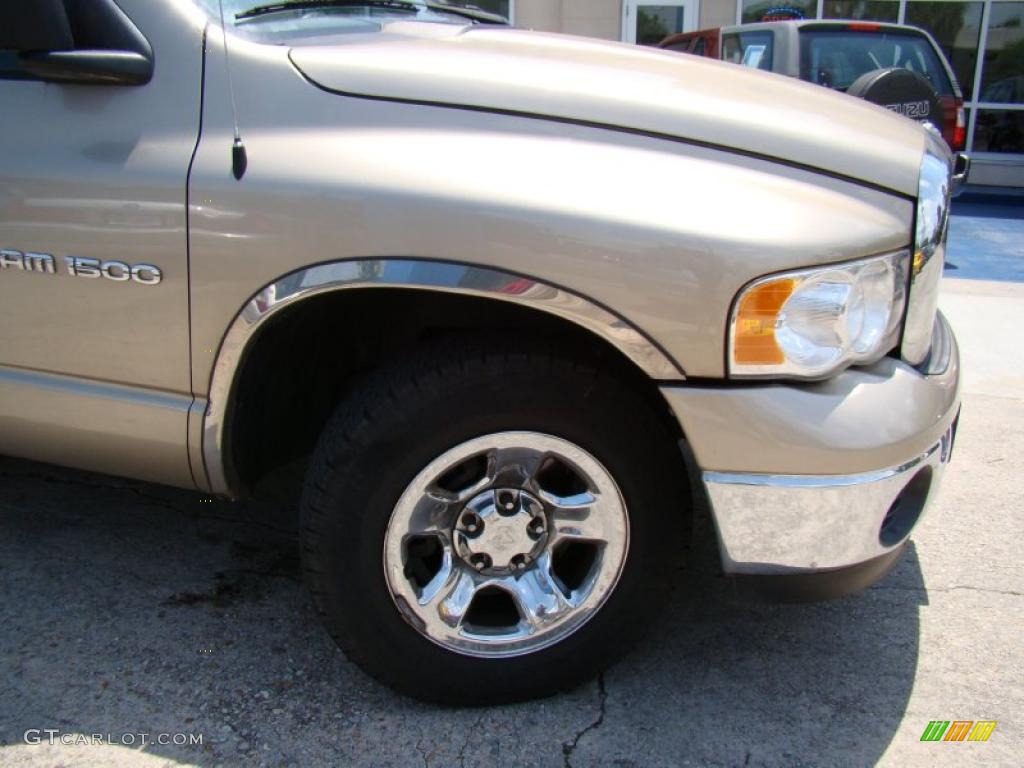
486,526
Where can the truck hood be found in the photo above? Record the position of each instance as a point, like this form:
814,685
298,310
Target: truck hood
624,87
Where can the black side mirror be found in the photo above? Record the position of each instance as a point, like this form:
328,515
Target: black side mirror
34,25
89,67
106,48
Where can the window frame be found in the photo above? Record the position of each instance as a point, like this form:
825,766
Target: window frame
691,18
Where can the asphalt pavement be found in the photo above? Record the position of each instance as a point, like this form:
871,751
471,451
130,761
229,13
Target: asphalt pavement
130,609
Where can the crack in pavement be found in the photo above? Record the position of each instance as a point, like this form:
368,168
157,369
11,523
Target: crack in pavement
568,748
465,742
424,755
954,588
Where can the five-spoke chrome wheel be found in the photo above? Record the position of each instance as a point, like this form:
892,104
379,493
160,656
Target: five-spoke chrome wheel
506,544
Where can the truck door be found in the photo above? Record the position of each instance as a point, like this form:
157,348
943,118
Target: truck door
101,115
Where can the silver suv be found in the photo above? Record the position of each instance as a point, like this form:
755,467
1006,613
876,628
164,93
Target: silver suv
480,303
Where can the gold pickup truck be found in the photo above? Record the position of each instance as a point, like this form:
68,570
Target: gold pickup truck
480,303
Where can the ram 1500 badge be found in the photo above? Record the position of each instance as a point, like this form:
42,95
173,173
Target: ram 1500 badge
479,302
80,266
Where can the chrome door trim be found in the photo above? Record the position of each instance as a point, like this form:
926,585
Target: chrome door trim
415,274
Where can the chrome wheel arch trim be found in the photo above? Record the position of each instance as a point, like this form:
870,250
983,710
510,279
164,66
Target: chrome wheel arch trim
413,274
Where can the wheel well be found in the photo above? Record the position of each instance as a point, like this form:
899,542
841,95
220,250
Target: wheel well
305,359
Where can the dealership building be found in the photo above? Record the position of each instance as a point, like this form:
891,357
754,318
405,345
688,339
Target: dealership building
983,39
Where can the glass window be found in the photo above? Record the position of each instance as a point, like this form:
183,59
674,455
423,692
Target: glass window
683,46
656,22
774,10
1002,75
751,49
956,28
835,58
279,23
869,10
999,130
500,7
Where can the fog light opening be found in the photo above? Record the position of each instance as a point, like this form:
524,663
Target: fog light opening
906,509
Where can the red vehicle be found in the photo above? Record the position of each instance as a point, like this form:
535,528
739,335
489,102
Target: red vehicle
894,65
704,42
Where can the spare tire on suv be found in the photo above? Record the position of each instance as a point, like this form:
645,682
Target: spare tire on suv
908,93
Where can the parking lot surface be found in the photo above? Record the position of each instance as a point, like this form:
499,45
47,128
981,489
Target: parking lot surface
129,609
986,237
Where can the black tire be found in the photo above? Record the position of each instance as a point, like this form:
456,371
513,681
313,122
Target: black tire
907,93
402,418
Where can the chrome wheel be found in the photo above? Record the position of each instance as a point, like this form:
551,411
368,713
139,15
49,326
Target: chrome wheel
506,544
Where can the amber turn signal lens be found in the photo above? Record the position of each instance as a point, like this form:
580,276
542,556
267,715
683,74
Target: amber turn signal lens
754,340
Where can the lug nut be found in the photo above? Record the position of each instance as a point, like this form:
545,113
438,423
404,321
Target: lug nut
536,526
507,501
519,562
471,523
480,561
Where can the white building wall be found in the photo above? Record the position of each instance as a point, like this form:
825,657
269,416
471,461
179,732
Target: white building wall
602,18
591,18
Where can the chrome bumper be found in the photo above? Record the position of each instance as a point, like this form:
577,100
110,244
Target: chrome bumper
770,524
772,458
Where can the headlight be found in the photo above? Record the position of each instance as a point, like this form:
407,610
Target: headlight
929,250
814,322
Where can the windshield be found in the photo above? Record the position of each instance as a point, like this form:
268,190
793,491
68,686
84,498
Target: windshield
286,20
835,58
